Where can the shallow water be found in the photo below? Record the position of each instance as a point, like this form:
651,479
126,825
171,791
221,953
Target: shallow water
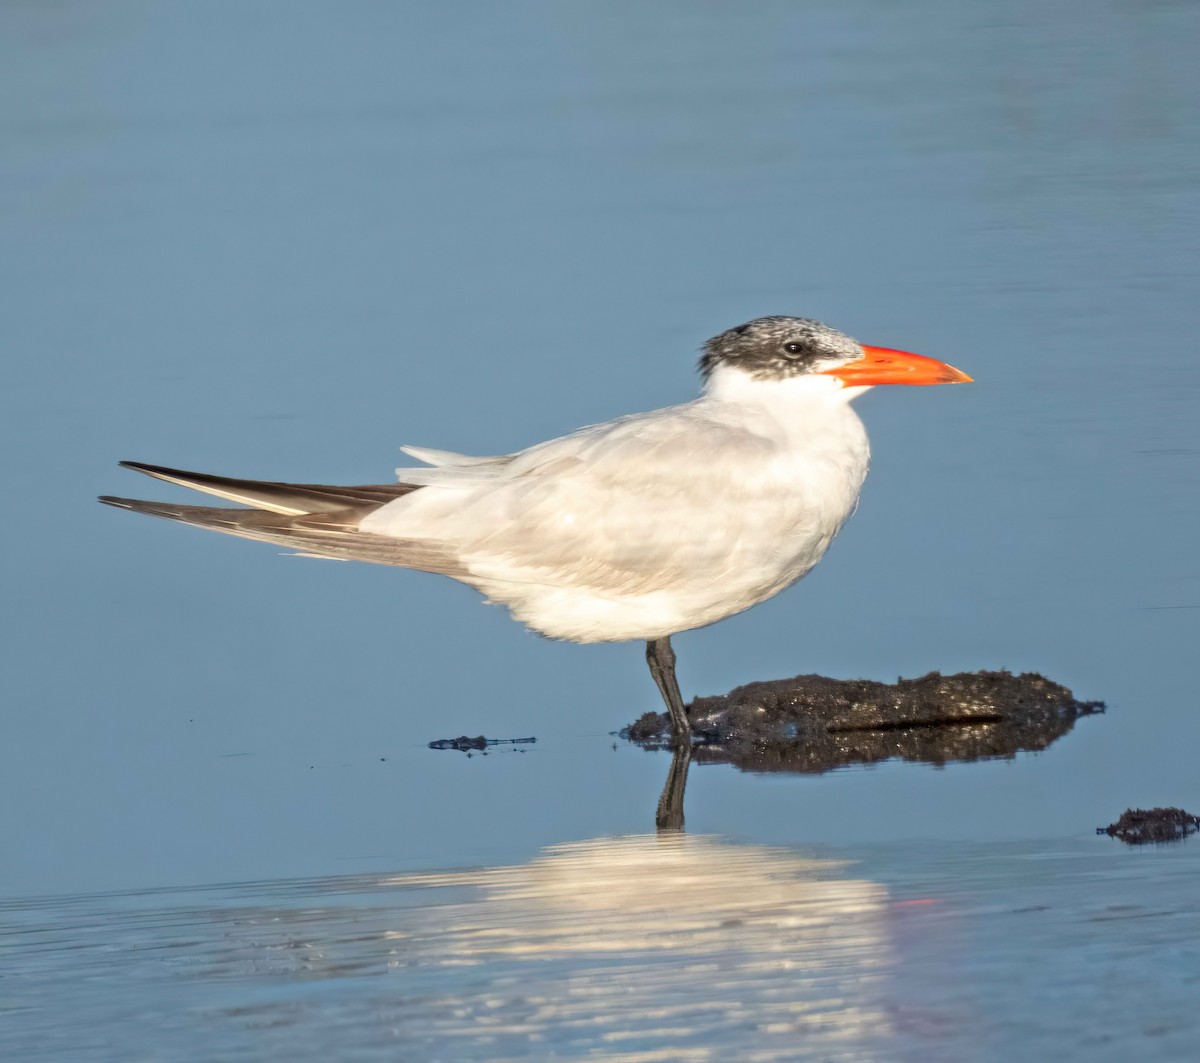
634,948
280,240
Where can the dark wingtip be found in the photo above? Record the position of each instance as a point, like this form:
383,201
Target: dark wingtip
138,505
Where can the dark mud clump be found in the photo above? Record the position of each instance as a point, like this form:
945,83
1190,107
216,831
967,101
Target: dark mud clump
479,744
1138,826
647,728
812,723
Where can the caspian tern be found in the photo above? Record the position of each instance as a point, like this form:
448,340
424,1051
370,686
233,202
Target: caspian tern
638,528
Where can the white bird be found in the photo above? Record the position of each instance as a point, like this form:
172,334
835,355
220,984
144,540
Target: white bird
637,528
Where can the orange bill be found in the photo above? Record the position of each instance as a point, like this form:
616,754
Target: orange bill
882,365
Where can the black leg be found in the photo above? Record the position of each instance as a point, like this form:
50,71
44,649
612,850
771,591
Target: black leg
661,659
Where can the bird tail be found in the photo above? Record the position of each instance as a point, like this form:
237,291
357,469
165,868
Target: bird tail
314,519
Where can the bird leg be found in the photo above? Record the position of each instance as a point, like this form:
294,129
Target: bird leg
661,659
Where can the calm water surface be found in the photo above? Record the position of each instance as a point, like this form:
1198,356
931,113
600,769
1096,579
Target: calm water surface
280,240
634,948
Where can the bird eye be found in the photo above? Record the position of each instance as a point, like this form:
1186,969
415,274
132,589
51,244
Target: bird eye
794,348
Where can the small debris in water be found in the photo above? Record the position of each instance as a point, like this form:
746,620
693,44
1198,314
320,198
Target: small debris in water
812,723
1138,826
479,744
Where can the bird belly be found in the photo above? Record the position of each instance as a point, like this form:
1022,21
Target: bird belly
704,569
582,614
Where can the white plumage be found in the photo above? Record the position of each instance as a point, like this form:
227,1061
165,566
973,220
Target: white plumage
654,523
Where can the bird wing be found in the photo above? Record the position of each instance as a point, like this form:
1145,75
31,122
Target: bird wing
627,506
318,520
333,534
273,496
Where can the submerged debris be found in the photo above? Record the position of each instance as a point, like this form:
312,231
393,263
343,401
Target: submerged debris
812,723
478,744
1138,826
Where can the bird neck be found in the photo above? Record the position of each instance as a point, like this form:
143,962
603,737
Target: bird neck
807,396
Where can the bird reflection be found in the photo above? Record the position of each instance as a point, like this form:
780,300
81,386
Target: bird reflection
669,814
644,947
660,947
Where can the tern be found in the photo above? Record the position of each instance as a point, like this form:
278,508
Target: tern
634,529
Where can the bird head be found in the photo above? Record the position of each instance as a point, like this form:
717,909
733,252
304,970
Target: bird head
783,348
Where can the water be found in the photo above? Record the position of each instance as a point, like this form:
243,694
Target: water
635,948
280,240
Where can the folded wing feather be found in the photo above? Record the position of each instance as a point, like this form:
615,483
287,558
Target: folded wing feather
317,520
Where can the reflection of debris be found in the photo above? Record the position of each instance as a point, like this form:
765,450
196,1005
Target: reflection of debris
812,723
479,744
1138,826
